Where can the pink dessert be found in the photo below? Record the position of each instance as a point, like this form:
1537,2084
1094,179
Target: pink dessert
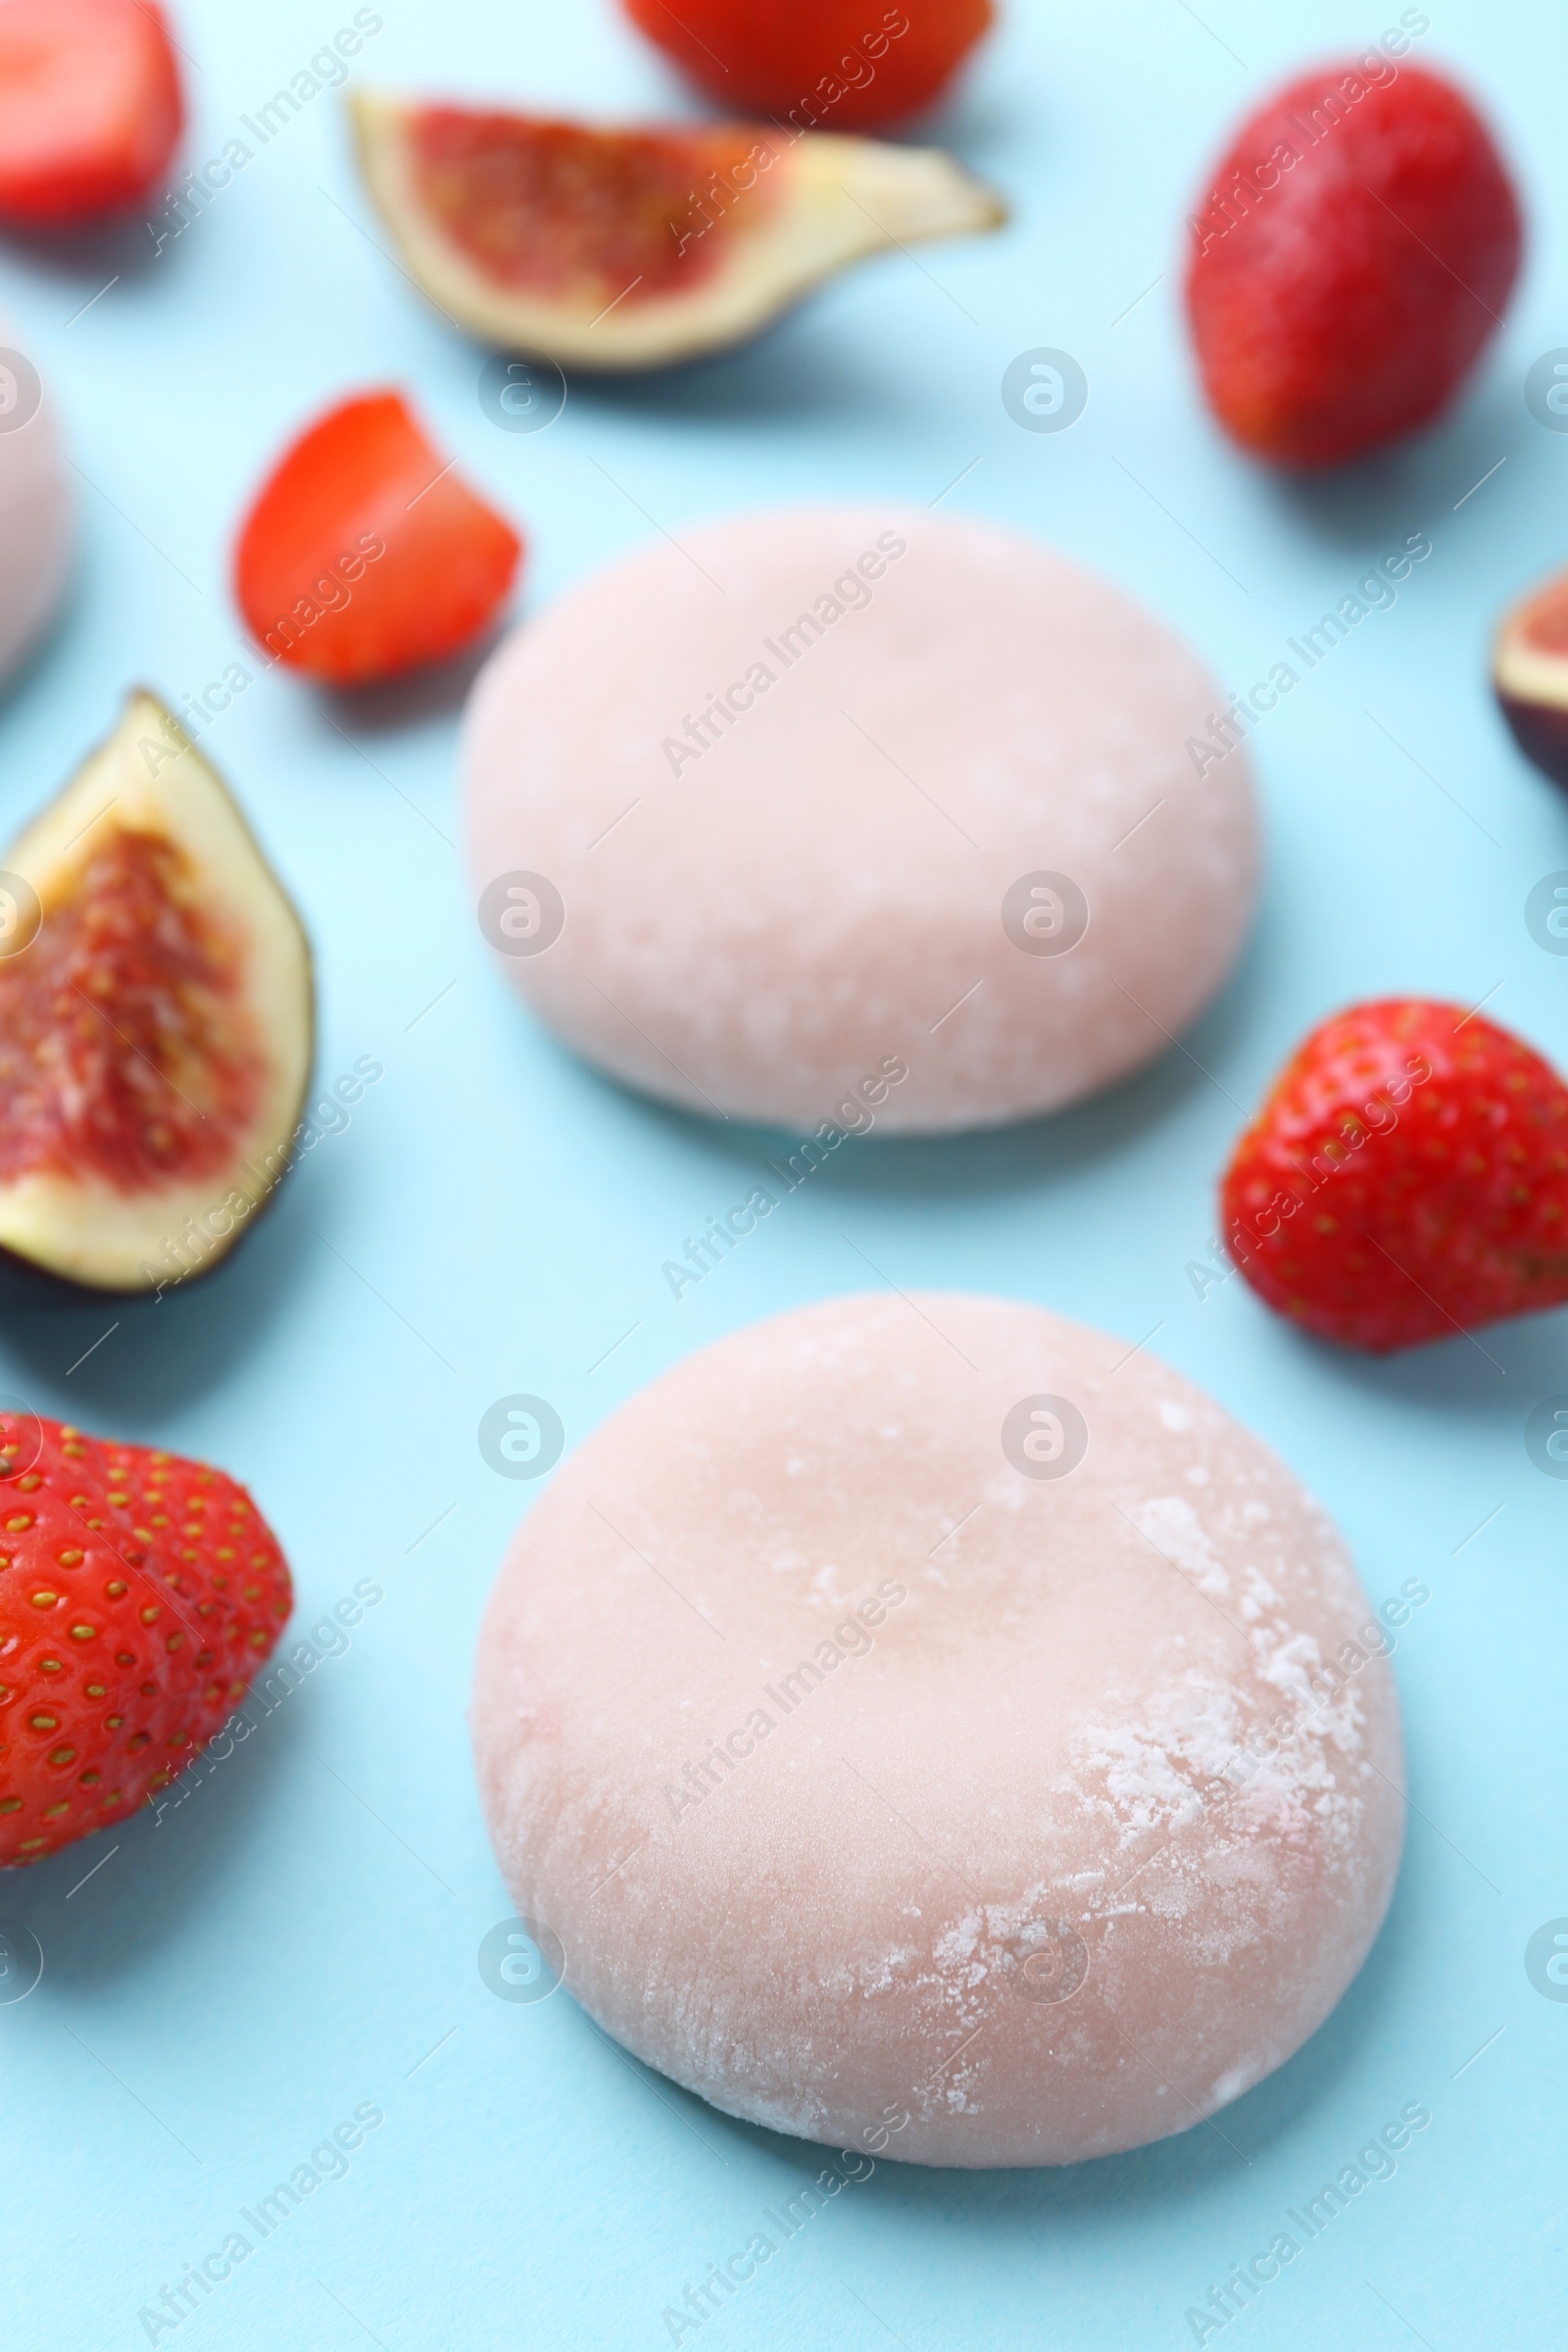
816,788
35,508
931,1730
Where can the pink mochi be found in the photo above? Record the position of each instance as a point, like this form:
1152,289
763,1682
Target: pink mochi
930,1728
35,509
803,789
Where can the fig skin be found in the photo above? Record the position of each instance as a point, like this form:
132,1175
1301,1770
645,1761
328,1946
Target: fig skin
1530,676
1540,730
1338,300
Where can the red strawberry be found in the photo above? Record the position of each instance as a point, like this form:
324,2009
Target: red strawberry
1406,1178
363,554
138,1594
90,108
833,65
1353,253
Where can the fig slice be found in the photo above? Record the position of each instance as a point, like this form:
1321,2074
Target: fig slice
155,1018
1530,676
628,248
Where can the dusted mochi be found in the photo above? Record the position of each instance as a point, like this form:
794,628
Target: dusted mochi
928,1728
34,508
819,789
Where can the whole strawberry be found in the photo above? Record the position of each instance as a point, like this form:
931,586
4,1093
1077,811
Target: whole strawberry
1406,1178
138,1594
1354,251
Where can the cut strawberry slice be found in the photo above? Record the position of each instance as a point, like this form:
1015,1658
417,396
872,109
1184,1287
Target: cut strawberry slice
364,556
637,248
90,108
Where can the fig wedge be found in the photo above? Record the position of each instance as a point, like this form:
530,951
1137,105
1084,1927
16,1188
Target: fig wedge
1530,676
633,248
155,1018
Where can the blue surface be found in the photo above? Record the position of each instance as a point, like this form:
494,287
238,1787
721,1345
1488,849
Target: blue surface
299,1938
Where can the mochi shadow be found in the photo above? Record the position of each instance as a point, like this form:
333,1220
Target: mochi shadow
991,1162
73,1364
1180,2173
142,1899
47,650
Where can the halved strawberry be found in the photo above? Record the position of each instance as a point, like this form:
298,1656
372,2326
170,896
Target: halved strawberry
90,108
363,554
138,1594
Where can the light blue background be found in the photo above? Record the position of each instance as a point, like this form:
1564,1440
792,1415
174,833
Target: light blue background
303,1930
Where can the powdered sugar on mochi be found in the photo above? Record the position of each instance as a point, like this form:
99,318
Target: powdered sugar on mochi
777,899
972,1780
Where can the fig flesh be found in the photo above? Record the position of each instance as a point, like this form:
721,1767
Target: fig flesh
155,1018
623,249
